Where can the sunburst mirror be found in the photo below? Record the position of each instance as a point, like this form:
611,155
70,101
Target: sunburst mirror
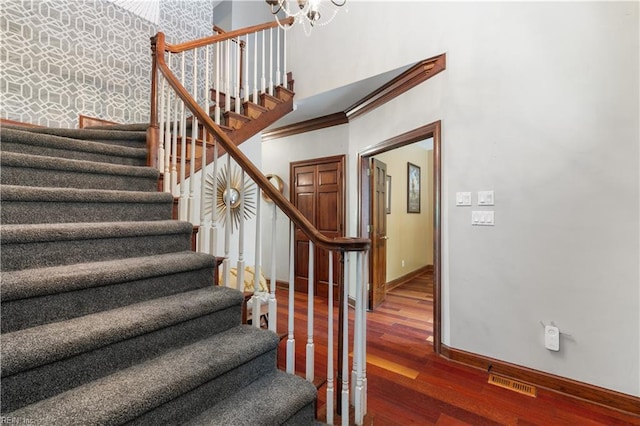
230,197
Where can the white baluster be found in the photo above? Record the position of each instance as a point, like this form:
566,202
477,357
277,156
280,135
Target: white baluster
166,178
183,147
330,385
213,239
217,110
255,69
226,269
263,79
161,120
291,341
246,70
271,61
273,304
227,78
237,76
240,267
174,146
204,228
255,315
345,345
284,61
194,140
278,80
310,294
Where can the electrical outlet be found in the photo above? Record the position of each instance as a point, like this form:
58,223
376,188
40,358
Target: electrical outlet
403,263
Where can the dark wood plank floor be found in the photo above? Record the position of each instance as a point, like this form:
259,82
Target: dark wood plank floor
409,384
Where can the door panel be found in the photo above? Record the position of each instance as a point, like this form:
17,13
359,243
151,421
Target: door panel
318,192
378,232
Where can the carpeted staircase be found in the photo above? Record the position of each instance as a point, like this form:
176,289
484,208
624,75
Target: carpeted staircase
107,316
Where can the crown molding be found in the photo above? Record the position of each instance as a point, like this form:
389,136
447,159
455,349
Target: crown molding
415,75
330,120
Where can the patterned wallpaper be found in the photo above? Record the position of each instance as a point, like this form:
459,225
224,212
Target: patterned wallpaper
62,58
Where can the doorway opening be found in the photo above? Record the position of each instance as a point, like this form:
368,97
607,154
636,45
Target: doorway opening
370,206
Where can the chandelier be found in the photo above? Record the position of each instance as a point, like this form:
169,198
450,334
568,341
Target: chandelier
308,13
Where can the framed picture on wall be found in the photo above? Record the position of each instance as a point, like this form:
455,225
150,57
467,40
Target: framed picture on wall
388,195
413,188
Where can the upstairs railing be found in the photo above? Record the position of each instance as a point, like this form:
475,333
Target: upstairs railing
198,89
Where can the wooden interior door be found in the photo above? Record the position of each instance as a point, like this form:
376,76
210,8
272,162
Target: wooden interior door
378,270
317,190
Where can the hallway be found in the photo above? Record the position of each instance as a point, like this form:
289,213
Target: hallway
409,384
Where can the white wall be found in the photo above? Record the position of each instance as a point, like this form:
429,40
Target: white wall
539,102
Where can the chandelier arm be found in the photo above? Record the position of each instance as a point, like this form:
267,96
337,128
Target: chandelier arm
339,4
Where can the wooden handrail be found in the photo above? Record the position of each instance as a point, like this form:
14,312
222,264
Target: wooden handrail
158,49
177,48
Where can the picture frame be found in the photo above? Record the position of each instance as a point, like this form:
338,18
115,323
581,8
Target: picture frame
413,188
388,194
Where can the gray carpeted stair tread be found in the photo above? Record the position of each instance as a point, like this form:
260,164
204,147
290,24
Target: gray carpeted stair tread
25,204
42,245
36,346
42,162
133,392
37,282
13,234
37,296
26,142
271,400
89,195
36,170
135,135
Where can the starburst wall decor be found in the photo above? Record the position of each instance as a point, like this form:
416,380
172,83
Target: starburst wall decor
230,198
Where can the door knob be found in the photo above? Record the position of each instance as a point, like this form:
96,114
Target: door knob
384,237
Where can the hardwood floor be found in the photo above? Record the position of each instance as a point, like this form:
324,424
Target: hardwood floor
409,384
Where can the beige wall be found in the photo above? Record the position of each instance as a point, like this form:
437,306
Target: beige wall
530,115
410,234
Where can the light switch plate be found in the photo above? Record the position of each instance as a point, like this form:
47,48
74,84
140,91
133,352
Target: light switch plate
463,198
482,218
485,198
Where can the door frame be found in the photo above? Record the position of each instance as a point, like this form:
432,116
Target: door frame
431,130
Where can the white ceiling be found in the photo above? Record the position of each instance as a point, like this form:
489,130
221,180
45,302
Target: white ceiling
336,100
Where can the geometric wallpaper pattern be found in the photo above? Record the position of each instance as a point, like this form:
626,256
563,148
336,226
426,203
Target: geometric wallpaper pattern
62,58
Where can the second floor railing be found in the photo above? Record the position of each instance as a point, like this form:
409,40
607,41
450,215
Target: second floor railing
200,89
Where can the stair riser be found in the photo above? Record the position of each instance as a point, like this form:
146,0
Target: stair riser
201,398
20,256
33,311
69,179
73,155
39,383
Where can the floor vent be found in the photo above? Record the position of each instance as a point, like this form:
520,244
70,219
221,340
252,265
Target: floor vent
513,385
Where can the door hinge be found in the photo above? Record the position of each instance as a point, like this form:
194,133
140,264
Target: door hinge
368,172
369,228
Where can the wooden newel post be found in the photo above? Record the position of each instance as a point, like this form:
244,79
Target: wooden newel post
152,131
